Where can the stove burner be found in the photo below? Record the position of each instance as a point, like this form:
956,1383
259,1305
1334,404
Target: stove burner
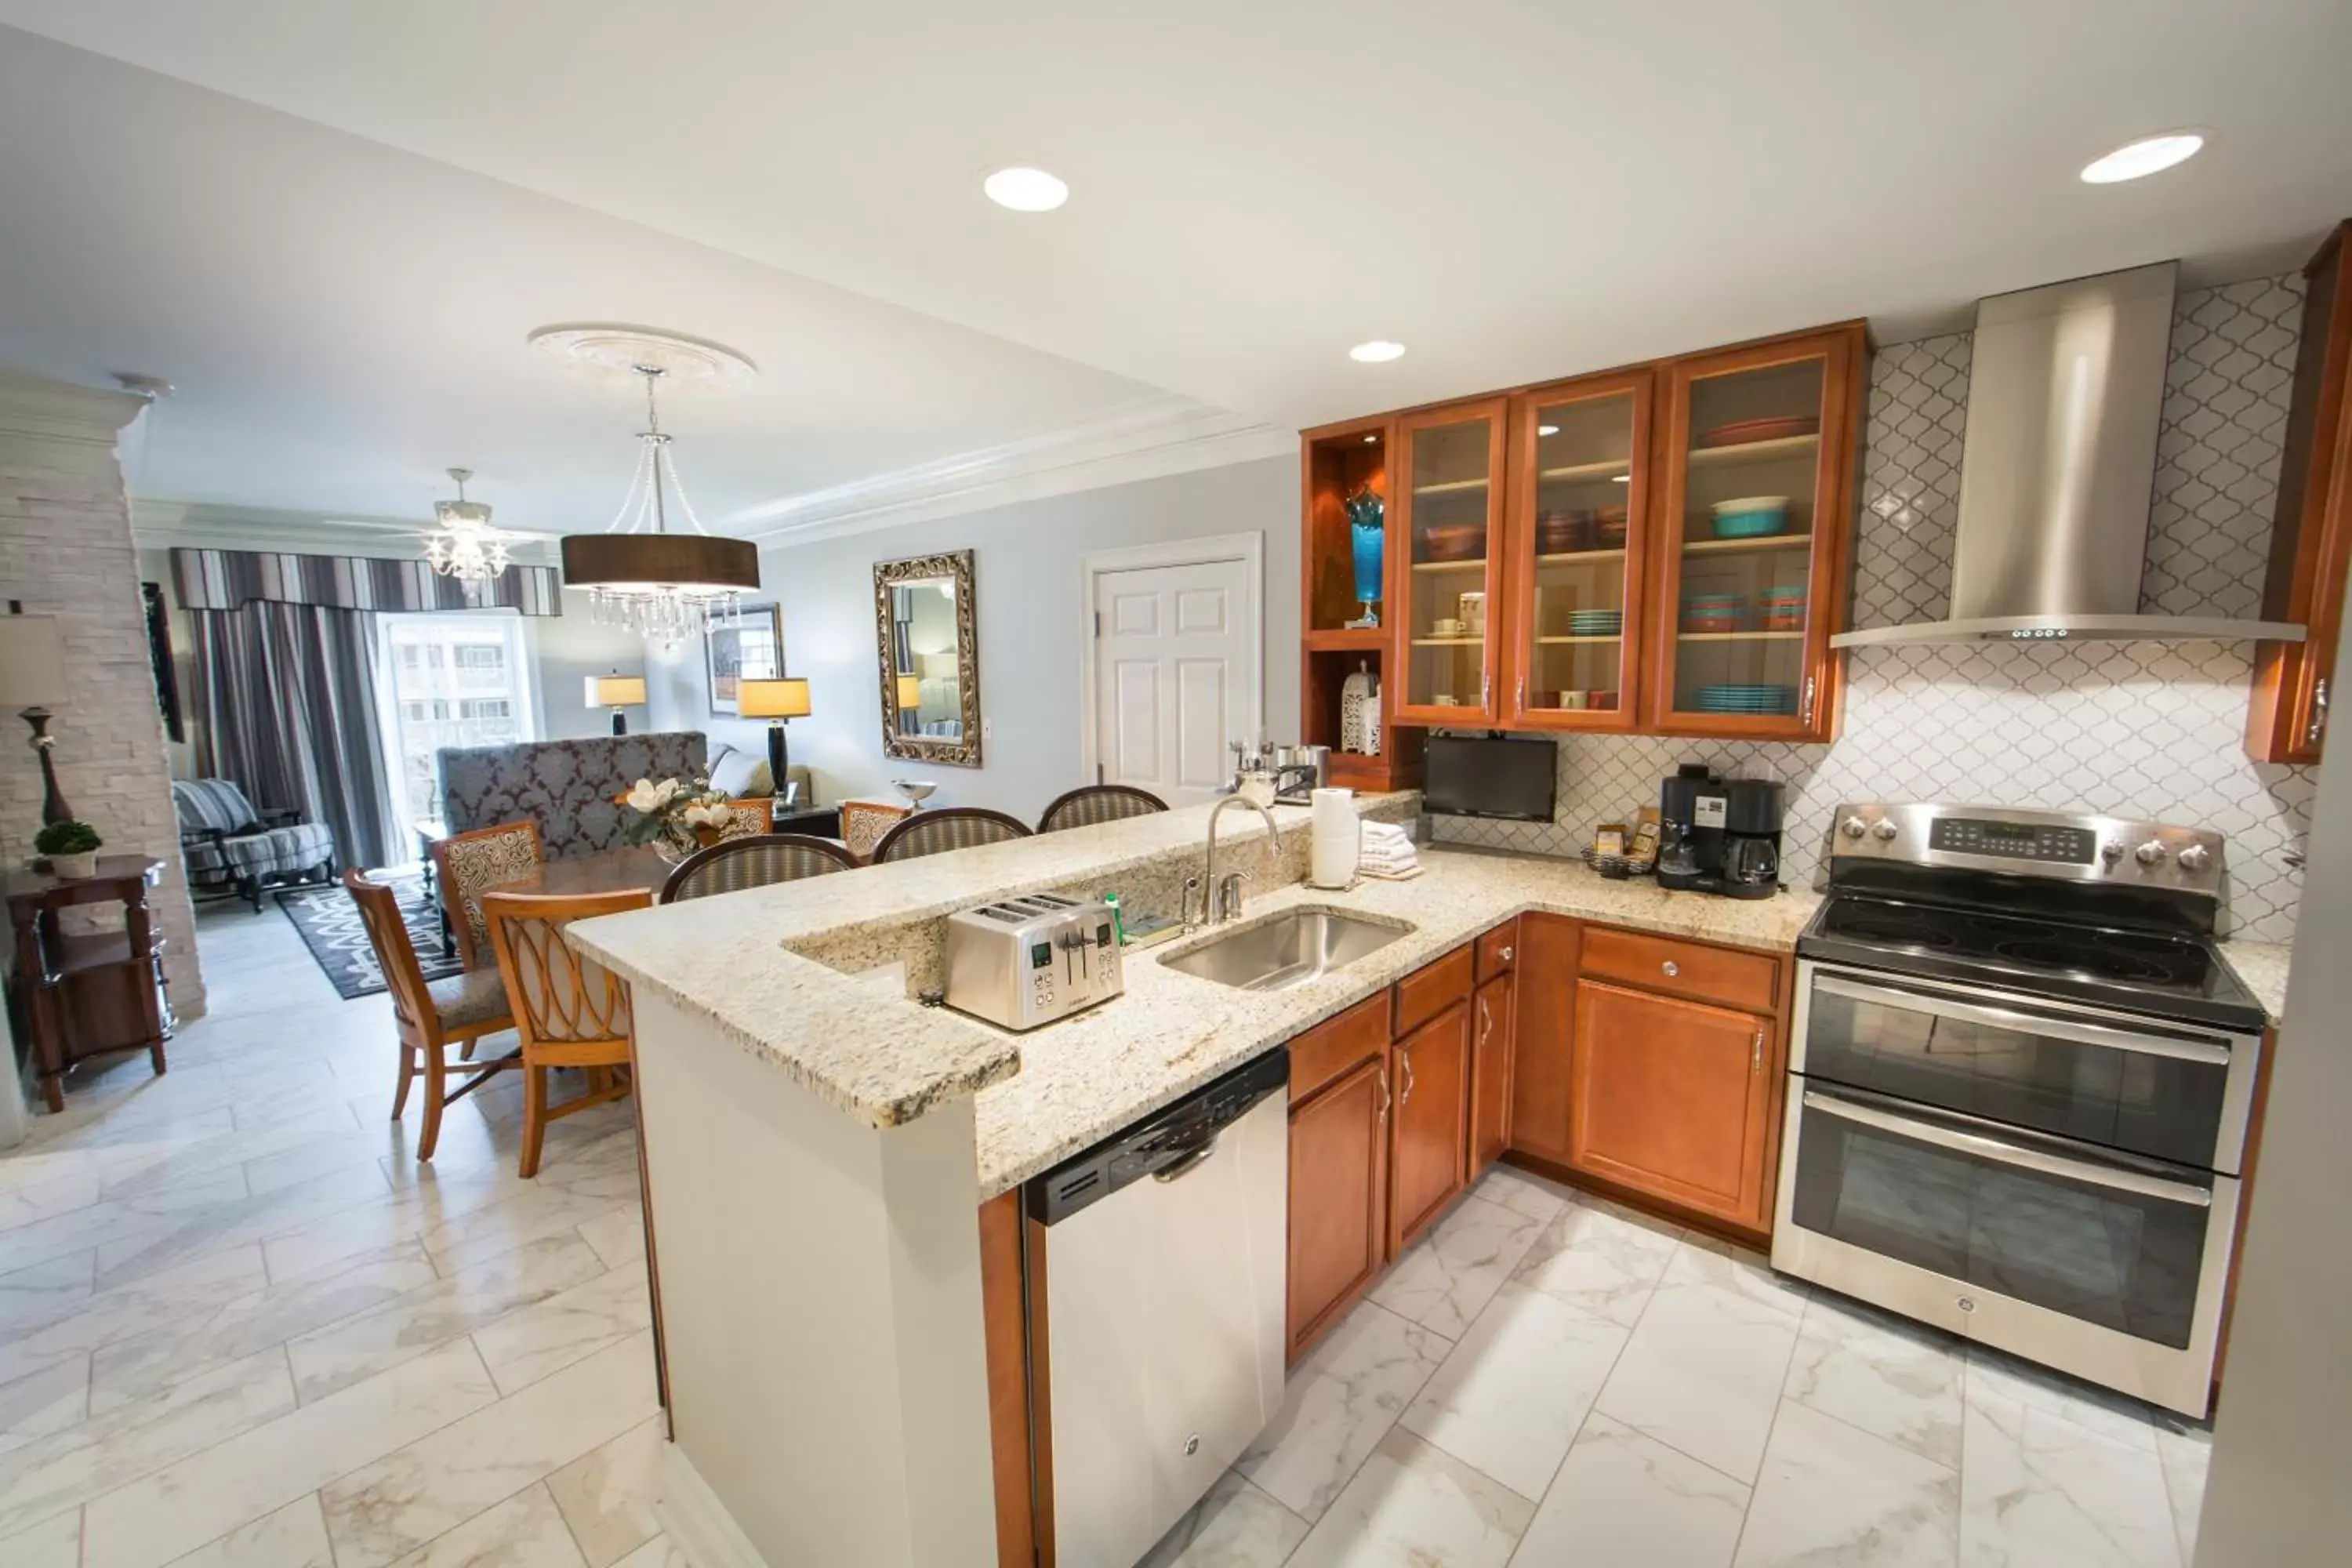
1910,933
2108,963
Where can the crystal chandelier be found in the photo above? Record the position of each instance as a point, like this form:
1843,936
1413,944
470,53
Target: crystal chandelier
463,544
667,585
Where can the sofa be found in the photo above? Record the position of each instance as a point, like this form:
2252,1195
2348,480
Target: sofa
225,845
565,786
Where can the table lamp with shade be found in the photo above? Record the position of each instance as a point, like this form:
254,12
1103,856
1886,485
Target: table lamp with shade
779,702
910,693
32,677
617,692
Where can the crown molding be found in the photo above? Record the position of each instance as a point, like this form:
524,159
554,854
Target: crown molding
157,523
1143,441
36,407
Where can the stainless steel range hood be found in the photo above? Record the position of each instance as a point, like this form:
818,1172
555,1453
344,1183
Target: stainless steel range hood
2065,392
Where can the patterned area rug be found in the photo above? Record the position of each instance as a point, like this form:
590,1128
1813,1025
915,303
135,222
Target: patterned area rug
330,928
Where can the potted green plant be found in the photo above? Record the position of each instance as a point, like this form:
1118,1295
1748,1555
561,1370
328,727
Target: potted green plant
71,846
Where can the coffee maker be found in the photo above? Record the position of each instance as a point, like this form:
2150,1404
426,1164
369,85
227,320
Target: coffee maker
1717,835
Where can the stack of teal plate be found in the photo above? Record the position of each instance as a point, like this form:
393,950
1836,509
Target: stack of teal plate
1746,698
1596,623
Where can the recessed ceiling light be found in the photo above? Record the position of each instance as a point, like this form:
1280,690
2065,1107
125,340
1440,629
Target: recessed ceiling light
1025,190
1372,440
2148,155
1547,429
1375,351
1622,479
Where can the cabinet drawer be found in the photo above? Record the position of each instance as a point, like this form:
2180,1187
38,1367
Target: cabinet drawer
1335,1045
1430,989
1497,950
1736,979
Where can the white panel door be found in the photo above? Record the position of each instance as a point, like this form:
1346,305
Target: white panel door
1172,664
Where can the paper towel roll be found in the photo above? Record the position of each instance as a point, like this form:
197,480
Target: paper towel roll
1336,838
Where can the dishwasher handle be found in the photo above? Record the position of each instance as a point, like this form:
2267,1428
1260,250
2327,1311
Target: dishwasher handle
1191,1162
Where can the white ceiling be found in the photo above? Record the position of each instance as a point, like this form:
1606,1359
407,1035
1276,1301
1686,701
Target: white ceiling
1513,189
345,321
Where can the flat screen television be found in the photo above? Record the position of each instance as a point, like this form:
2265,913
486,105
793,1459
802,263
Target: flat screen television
1466,775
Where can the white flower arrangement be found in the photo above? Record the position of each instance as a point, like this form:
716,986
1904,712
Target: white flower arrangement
673,815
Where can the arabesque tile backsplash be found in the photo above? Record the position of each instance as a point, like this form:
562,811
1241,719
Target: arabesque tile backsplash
2135,729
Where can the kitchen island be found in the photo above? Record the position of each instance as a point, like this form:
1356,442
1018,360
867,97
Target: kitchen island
818,1142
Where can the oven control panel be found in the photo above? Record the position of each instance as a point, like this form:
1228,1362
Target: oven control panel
2015,841
2068,846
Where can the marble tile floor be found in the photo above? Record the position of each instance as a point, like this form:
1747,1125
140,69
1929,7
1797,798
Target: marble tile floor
240,1325
1549,1380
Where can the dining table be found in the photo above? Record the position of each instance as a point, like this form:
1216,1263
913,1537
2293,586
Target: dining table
631,867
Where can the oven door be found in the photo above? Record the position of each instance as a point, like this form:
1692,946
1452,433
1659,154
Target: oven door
2109,1267
2172,1093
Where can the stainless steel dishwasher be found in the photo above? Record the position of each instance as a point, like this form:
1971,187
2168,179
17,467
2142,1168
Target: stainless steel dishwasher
1159,1262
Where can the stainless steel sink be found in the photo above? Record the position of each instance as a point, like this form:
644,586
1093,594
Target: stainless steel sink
1290,949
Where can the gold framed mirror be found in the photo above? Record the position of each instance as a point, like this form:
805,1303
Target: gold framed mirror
927,646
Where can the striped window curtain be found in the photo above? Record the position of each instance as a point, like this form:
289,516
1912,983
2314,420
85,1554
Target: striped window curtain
287,697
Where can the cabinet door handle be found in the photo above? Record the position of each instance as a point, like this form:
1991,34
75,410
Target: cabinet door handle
1384,1098
1808,700
1485,691
2318,711
1404,1061
1519,703
1507,956
1485,1020
1671,968
1756,1052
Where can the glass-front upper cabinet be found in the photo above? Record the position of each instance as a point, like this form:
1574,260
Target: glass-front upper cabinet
1576,549
1449,516
1752,534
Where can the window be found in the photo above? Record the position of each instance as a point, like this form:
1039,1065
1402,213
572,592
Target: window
455,680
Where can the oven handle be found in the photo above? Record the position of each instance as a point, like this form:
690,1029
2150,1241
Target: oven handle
2002,1153
2209,1053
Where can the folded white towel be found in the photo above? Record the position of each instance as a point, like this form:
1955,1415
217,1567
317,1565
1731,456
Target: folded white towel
1385,833
1406,857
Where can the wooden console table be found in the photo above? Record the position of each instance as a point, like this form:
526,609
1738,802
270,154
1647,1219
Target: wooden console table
87,995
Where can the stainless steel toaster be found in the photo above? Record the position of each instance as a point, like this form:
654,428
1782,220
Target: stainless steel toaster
1028,960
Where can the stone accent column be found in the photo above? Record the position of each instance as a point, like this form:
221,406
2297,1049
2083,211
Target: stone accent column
66,550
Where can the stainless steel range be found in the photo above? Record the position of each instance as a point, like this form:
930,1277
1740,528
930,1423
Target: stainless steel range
2021,1076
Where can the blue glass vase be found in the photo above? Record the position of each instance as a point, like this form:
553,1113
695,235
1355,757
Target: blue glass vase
1367,535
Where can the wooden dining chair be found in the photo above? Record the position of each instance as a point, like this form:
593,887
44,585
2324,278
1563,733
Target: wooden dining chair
467,864
1098,803
571,1011
865,822
430,1016
732,864
752,814
949,828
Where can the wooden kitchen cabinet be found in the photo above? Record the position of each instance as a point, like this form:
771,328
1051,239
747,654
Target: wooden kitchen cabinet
1554,561
1544,1024
1429,1155
1339,1197
1745,600
2311,540
1672,1098
1447,527
1490,1072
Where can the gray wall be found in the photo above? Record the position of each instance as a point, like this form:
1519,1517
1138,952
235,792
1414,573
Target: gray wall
2276,1491
1031,630
565,650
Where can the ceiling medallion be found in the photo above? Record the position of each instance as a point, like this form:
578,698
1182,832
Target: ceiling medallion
463,544
668,586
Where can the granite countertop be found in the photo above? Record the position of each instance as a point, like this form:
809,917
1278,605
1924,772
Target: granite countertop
1085,1077
2262,966
885,1062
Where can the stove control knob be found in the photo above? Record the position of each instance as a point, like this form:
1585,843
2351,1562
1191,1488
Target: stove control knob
1884,832
1853,827
2149,853
2195,859
2111,850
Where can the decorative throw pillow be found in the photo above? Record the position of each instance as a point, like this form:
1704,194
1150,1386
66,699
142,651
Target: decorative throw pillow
738,775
